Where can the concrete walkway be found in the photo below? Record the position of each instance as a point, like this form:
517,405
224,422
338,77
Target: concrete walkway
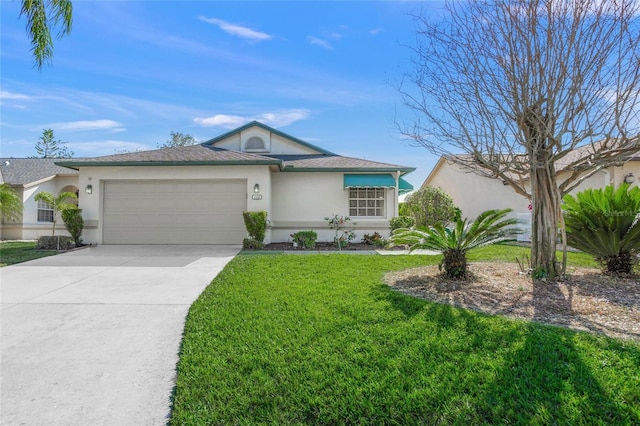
92,337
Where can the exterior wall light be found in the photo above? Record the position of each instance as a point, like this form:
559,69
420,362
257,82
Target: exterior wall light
88,189
256,189
630,178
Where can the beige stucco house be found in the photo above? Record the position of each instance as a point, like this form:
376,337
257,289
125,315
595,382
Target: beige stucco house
474,194
28,176
196,194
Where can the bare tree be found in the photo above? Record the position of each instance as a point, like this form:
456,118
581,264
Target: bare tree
515,89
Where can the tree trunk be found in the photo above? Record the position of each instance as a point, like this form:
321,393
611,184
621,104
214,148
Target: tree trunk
544,219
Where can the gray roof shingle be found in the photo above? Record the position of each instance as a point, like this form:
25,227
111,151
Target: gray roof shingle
205,154
22,171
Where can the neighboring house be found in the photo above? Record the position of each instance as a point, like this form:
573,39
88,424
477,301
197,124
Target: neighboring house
474,194
196,194
28,176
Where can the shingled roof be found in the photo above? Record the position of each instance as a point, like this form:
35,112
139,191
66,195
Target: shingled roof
205,154
23,171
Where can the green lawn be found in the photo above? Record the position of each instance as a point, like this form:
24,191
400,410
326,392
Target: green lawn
319,339
12,252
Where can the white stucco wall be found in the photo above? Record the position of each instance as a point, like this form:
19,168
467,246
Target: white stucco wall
96,176
302,200
474,194
30,228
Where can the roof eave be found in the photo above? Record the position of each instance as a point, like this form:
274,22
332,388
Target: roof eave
76,165
403,170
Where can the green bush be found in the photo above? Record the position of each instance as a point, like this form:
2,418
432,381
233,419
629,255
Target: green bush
606,224
430,206
74,223
252,244
305,239
256,224
58,242
401,222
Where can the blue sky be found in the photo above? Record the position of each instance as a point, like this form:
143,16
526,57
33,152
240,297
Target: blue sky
131,72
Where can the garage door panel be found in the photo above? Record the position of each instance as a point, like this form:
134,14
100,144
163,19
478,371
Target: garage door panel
174,212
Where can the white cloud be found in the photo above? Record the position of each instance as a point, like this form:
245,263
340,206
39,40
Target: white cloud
237,30
10,95
319,42
274,119
89,125
375,31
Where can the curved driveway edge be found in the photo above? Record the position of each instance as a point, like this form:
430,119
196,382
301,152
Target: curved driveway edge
91,337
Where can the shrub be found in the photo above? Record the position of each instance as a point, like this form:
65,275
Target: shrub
374,240
490,227
342,235
252,244
401,222
55,243
430,206
74,223
305,239
256,224
606,224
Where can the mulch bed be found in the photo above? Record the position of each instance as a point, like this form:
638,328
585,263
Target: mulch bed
323,247
585,300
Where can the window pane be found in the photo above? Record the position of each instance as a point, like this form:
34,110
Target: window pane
366,202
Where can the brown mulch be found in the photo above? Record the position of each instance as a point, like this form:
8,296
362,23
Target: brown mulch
325,247
585,300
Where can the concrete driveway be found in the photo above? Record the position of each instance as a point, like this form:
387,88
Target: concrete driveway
92,337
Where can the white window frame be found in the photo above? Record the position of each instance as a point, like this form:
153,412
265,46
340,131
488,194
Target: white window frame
45,208
264,147
367,202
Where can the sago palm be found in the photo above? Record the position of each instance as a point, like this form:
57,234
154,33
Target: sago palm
606,224
10,203
454,242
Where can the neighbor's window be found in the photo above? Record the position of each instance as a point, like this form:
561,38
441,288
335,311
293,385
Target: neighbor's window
45,211
366,202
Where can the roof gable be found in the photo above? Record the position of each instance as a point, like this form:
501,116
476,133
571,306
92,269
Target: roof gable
276,142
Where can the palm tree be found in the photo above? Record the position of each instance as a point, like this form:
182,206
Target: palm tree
58,204
42,16
454,242
606,224
10,203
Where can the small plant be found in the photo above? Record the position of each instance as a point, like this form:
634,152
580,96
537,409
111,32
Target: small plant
305,239
374,240
401,222
252,244
488,228
342,235
74,223
256,224
58,204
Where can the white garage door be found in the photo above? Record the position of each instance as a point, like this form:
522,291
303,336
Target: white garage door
174,212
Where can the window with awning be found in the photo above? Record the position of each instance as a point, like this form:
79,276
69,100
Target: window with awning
376,181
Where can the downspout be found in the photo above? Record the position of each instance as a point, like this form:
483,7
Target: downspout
396,203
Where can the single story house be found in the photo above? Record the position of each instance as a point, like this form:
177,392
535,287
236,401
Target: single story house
474,194
196,194
28,176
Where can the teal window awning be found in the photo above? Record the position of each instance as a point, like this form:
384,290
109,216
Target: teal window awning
376,181
369,181
404,187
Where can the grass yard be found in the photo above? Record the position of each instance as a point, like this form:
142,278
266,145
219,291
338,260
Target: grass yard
319,339
12,252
